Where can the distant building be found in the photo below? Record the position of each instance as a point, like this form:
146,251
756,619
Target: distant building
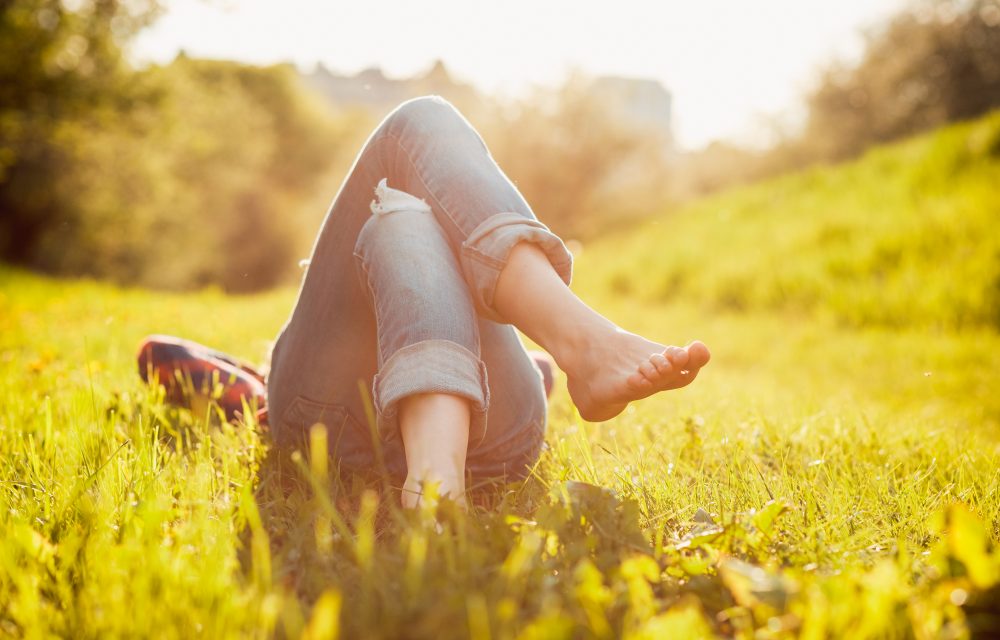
644,102
371,89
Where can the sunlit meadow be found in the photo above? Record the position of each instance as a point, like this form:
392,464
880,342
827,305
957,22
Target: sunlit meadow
832,473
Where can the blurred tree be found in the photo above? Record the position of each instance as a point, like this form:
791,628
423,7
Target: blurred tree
248,148
714,167
173,176
934,63
60,69
581,165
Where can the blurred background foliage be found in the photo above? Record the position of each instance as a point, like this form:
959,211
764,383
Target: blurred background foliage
184,175
583,168
209,173
936,62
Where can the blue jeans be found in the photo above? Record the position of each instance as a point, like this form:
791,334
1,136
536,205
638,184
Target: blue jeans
398,299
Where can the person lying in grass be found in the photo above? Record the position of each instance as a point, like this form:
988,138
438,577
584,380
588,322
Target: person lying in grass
413,297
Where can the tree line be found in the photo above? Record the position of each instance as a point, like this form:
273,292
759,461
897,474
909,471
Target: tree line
199,173
183,175
933,63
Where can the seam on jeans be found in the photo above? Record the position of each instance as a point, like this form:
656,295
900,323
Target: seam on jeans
441,100
384,435
479,256
416,172
374,307
484,382
537,233
489,260
299,428
420,345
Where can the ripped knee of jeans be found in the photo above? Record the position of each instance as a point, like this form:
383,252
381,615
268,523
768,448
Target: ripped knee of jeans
388,200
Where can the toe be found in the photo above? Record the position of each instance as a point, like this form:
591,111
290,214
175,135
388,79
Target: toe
677,356
648,369
698,355
663,366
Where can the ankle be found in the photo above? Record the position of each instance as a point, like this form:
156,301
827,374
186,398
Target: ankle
573,347
446,473
435,432
417,486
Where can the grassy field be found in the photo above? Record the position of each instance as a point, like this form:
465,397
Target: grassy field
832,473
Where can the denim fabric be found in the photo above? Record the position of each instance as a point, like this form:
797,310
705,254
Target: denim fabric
398,299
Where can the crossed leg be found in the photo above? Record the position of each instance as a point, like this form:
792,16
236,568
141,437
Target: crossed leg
606,366
491,260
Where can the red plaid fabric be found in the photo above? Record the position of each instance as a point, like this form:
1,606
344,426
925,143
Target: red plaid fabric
188,370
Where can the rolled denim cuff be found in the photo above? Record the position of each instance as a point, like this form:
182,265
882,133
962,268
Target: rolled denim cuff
484,255
431,366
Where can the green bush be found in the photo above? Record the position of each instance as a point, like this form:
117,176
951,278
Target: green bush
177,176
935,62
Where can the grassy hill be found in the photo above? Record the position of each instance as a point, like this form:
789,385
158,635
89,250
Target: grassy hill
832,472
907,236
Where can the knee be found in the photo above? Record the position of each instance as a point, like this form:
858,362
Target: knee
391,232
416,109
422,115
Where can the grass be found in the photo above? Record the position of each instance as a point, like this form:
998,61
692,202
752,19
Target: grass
832,473
905,237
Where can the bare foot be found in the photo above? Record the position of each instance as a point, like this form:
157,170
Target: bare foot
616,367
607,367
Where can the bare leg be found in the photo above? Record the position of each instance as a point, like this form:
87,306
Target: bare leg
607,367
435,432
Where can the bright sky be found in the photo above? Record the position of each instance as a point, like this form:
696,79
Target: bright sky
728,63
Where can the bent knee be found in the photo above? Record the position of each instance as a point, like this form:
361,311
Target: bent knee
420,106
422,114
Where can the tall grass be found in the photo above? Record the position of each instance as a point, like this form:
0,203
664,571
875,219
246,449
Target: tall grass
832,472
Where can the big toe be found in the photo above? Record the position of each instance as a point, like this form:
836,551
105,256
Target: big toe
698,354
